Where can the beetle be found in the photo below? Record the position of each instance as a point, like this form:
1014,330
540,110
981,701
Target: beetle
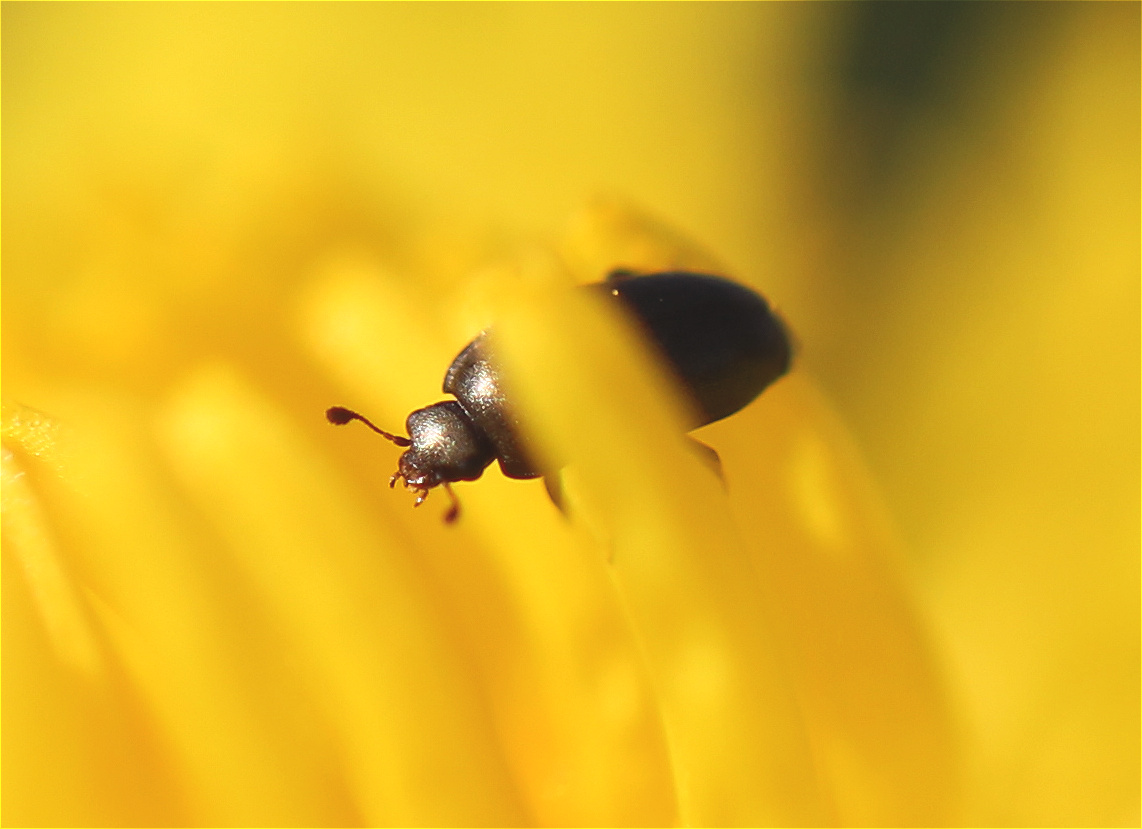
721,340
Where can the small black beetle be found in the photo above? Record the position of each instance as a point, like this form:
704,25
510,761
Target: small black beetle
721,339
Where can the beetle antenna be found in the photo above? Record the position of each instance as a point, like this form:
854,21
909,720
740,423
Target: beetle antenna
339,416
454,510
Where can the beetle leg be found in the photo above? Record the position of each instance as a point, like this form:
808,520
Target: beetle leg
708,457
454,510
553,483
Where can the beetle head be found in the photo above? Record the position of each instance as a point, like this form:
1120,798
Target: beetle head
445,446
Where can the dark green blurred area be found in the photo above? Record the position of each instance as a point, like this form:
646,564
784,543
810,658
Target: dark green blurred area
898,66
900,72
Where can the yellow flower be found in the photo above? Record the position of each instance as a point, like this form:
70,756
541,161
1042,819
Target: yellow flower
214,592
221,220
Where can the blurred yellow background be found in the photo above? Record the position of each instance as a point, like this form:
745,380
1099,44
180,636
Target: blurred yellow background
943,201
